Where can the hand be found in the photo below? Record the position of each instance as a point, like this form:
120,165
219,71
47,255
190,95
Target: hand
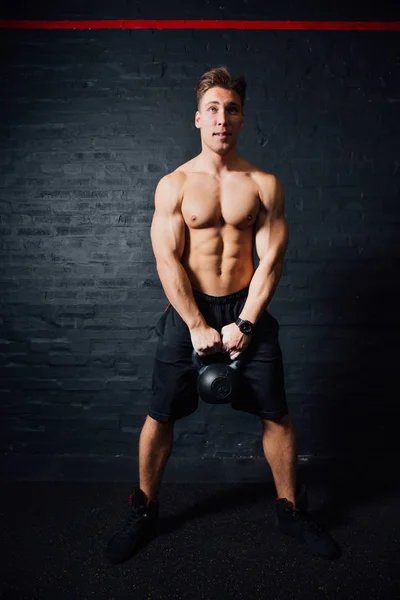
234,342
206,340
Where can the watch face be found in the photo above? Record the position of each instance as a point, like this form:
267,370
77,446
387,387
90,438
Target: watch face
246,327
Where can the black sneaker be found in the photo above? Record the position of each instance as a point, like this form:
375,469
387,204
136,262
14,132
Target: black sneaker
299,524
138,529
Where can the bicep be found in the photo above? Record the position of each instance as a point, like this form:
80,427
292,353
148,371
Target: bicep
168,227
272,231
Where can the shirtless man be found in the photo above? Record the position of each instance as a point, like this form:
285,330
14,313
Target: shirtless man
209,215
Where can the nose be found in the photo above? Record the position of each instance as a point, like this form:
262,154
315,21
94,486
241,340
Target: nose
222,120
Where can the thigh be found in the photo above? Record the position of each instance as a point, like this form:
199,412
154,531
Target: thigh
174,392
262,390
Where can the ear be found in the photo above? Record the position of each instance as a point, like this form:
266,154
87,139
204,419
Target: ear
197,119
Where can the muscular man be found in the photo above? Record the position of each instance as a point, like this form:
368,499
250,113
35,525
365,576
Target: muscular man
210,214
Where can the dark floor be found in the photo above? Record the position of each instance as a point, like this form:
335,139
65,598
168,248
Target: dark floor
217,541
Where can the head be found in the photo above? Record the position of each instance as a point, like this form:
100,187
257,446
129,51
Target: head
220,102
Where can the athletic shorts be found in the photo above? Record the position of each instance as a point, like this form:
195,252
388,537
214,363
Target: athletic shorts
262,388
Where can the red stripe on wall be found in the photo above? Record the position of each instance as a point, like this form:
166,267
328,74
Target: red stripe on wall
206,24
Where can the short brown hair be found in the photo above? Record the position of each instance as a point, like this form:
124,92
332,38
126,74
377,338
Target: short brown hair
220,77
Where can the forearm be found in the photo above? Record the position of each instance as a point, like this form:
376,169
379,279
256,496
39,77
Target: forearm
178,289
261,290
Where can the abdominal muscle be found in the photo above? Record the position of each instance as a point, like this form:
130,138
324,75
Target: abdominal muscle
219,261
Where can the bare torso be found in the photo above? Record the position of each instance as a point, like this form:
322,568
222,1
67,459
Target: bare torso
219,215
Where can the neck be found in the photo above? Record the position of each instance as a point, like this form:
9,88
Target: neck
217,163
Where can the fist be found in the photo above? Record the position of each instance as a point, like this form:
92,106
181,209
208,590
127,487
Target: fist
206,340
234,342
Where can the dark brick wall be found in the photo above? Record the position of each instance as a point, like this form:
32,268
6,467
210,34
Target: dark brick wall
90,122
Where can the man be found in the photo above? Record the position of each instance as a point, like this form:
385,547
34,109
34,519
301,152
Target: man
209,215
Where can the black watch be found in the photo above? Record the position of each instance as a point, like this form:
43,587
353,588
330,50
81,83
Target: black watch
244,326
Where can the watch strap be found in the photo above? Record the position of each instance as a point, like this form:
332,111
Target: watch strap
244,325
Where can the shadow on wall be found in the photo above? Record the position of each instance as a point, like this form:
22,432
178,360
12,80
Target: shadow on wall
358,389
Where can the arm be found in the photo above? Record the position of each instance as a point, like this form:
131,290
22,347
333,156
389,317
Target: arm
168,239
271,239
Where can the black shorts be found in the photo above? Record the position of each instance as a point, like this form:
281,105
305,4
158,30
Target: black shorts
174,392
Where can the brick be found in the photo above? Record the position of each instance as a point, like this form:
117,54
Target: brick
82,151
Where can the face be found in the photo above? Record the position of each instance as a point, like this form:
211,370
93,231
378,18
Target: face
220,119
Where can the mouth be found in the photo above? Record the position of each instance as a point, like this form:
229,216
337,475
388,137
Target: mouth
223,135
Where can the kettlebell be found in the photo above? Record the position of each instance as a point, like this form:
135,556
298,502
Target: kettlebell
217,383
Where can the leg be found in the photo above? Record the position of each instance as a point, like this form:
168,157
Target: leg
155,446
280,449
263,392
174,395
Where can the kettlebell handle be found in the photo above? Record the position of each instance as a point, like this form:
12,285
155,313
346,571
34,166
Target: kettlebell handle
198,363
196,359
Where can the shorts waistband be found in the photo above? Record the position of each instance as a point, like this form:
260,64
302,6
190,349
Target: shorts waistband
229,299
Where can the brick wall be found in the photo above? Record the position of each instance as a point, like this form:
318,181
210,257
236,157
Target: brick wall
91,120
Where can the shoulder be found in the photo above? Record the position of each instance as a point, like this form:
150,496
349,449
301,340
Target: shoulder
175,180
170,186
270,189
261,178
187,167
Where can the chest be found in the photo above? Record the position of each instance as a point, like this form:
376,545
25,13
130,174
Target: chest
214,204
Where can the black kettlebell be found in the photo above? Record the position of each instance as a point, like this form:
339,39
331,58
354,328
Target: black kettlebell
217,383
